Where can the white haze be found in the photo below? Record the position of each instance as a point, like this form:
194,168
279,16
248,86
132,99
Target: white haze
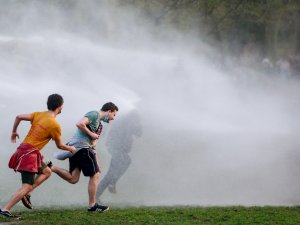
210,137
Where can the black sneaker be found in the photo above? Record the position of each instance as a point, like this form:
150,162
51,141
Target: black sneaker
7,213
49,164
26,201
98,208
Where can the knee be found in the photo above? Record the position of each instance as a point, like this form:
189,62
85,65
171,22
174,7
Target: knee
96,177
73,180
47,171
30,188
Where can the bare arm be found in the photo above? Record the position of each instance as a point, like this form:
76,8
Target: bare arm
61,145
19,118
82,125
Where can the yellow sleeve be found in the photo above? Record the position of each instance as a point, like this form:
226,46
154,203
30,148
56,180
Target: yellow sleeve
32,115
55,132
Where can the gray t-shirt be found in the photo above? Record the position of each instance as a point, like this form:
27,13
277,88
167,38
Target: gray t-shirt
82,140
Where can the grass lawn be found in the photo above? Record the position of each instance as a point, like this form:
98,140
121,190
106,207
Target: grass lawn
162,215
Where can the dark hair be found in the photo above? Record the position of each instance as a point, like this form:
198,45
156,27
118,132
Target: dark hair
109,106
54,101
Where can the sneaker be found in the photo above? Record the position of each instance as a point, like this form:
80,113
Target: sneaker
49,164
7,213
26,201
98,208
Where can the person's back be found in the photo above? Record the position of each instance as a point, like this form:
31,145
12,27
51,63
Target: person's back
122,133
44,127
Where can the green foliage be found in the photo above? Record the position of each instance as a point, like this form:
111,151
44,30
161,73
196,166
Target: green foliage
272,24
165,215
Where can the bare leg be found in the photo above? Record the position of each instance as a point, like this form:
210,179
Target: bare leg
92,188
26,188
103,185
72,177
46,173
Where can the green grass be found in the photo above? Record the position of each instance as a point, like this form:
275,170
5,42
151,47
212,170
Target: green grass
164,215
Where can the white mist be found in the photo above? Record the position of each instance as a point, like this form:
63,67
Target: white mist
210,137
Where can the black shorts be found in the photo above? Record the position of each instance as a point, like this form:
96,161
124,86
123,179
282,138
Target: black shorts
85,160
29,177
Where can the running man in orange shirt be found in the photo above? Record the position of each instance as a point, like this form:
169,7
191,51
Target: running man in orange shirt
27,159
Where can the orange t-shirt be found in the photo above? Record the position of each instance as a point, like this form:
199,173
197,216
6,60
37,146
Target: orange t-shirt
43,128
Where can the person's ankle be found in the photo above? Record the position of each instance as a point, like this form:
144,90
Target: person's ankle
93,204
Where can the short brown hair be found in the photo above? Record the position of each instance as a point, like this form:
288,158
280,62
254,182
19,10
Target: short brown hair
54,101
109,106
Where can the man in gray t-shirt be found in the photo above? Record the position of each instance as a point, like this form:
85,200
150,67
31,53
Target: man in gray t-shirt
85,159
